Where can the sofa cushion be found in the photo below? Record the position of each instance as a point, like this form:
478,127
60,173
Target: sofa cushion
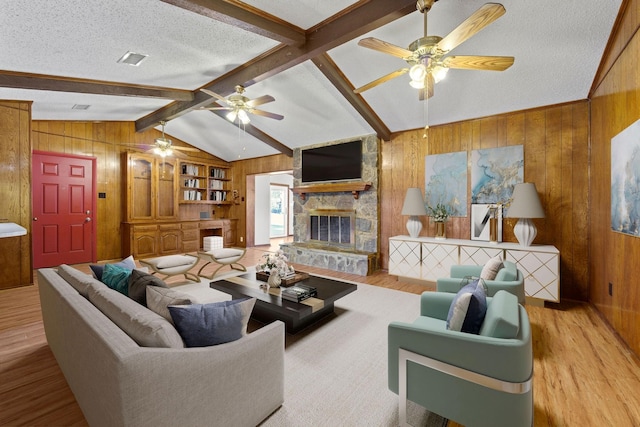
170,261
468,308
159,298
509,272
202,325
503,318
116,278
98,269
225,253
145,327
491,268
76,278
137,285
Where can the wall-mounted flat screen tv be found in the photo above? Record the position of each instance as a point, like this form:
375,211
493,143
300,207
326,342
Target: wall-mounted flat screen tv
338,162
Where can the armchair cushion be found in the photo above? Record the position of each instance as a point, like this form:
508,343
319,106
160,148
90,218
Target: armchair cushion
502,318
491,268
468,308
508,272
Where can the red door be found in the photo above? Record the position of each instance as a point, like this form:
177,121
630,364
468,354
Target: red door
63,228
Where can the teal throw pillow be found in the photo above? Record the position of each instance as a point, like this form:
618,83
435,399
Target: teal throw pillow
116,278
202,325
468,308
98,269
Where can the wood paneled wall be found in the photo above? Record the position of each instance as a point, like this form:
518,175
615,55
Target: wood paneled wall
15,191
556,153
613,256
105,141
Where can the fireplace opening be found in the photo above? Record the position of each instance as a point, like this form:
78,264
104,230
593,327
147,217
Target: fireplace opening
331,227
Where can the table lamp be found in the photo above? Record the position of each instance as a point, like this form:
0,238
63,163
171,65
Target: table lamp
525,204
414,206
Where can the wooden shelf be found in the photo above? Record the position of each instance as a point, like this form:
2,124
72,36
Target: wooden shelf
354,187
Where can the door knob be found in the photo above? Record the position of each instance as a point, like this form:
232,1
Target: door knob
35,218
87,219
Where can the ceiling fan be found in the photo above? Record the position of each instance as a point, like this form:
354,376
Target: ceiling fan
426,55
239,106
163,147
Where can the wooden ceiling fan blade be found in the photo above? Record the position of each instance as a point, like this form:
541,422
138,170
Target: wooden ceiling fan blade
266,114
473,24
381,80
490,63
384,47
215,95
175,147
215,108
260,100
178,154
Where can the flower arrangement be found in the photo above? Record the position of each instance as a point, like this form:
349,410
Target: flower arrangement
440,213
275,262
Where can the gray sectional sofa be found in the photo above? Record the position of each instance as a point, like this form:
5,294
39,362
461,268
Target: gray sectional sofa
118,382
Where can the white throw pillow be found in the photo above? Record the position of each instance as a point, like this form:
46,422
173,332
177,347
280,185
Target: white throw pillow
491,268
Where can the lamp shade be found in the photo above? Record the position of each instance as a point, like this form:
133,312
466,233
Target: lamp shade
525,202
414,203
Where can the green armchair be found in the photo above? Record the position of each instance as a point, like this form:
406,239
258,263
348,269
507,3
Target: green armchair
509,278
474,380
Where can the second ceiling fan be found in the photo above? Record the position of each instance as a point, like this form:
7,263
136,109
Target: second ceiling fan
426,55
239,106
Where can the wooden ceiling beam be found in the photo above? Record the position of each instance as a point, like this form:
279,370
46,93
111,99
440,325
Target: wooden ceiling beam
19,80
348,26
331,71
242,17
258,134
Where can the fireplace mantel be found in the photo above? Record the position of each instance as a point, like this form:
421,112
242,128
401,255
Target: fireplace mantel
354,187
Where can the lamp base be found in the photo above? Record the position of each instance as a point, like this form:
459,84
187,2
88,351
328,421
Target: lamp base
525,231
414,226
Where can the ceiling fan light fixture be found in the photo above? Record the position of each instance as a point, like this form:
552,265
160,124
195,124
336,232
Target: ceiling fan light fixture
418,72
439,73
244,117
232,116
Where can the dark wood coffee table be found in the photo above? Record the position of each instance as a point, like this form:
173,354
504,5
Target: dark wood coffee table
270,306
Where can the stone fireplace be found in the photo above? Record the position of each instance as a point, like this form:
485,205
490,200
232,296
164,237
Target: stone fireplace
338,229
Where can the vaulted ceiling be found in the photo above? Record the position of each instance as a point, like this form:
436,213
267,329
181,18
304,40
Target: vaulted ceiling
304,53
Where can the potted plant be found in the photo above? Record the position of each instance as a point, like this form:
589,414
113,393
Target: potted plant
440,214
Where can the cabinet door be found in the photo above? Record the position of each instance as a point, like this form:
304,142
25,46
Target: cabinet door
541,272
144,241
437,259
169,239
474,255
140,188
404,258
229,235
166,202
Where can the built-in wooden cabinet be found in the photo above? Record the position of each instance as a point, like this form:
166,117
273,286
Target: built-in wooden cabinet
155,188
150,187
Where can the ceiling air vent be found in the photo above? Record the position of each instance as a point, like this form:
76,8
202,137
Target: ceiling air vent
80,107
132,58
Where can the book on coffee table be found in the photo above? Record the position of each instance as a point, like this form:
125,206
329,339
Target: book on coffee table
298,293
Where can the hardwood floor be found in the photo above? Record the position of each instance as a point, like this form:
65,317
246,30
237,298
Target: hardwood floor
583,374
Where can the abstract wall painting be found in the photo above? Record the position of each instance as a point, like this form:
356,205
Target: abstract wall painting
494,173
625,181
446,181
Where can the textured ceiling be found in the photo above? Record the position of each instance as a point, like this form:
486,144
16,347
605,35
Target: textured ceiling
557,47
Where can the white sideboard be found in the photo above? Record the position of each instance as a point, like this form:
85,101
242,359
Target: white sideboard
427,258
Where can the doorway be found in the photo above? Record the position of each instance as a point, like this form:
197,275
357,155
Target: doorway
63,225
279,202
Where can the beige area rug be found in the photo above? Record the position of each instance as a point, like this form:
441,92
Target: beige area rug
336,370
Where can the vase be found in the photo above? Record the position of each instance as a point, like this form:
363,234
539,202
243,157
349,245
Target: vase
274,280
441,230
